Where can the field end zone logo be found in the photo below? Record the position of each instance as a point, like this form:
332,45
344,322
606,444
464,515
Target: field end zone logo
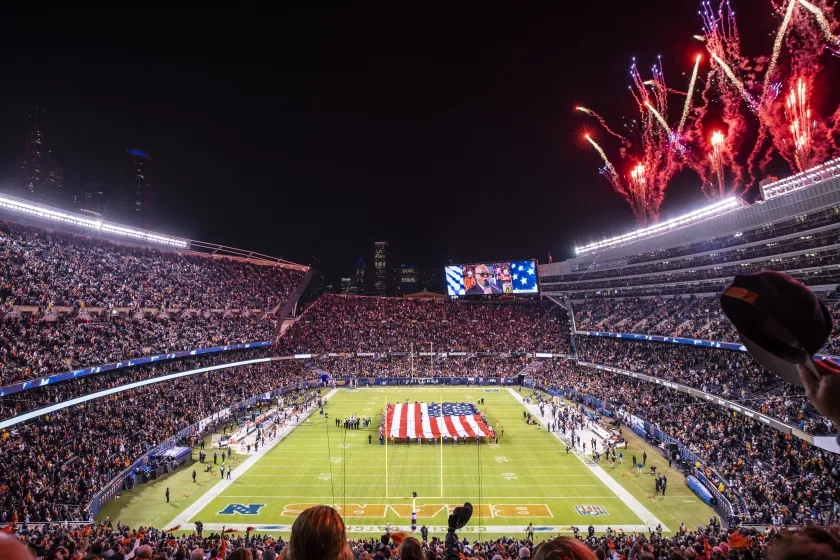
588,509
249,509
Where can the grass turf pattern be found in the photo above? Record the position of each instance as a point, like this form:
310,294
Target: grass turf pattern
527,478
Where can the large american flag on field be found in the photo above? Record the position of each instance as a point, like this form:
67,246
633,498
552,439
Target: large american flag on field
434,420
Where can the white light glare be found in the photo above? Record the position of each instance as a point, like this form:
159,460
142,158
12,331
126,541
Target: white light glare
715,208
56,215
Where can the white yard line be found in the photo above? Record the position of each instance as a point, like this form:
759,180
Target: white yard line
222,485
625,496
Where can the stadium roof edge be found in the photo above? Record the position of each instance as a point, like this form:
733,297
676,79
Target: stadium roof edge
33,211
695,216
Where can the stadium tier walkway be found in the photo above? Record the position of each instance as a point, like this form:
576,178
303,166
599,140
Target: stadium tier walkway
651,521
183,517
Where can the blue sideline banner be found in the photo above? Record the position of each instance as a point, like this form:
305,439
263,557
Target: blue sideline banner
75,374
700,490
688,341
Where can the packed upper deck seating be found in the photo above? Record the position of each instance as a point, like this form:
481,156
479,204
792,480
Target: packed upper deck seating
729,374
366,324
61,292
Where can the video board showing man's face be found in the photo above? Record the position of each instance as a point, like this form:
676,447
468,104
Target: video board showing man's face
518,277
487,279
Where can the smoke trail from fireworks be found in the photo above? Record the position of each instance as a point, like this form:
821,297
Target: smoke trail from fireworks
600,151
601,120
635,197
777,48
822,21
753,106
638,186
689,95
716,159
722,42
659,117
801,127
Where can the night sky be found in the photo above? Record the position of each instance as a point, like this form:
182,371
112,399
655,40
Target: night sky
319,135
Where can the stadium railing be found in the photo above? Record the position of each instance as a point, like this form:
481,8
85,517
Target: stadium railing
755,415
115,486
78,373
734,346
601,408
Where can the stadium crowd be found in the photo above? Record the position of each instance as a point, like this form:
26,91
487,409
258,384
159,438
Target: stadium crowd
367,324
404,366
45,273
319,533
698,317
729,374
43,266
777,478
30,348
45,395
50,468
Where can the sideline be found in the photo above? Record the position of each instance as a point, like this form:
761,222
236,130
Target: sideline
222,485
635,505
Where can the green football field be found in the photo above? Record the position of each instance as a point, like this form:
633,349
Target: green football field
527,478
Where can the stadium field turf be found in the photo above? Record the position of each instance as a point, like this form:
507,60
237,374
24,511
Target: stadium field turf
527,478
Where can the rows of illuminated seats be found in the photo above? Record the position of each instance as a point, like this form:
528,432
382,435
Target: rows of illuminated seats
800,232
699,317
72,301
366,324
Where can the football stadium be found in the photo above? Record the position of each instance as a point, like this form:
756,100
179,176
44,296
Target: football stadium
669,391
612,403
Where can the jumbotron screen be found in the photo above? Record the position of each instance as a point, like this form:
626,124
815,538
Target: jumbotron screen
495,278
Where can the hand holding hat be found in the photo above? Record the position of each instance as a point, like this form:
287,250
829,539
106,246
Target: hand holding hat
783,324
824,392
779,320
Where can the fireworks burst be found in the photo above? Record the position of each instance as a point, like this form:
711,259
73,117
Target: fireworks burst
601,120
754,123
801,126
777,48
803,35
634,192
688,96
656,148
716,160
823,22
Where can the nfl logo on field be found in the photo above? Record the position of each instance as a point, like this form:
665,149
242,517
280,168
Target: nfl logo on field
588,509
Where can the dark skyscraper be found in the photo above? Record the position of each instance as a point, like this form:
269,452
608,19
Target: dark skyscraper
357,286
380,268
137,188
408,278
39,178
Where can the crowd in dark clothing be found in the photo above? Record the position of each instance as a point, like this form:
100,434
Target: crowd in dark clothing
327,535
51,467
730,374
424,367
31,348
775,476
367,324
197,301
46,395
698,317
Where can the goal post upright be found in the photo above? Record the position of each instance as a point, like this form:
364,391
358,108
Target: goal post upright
441,454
